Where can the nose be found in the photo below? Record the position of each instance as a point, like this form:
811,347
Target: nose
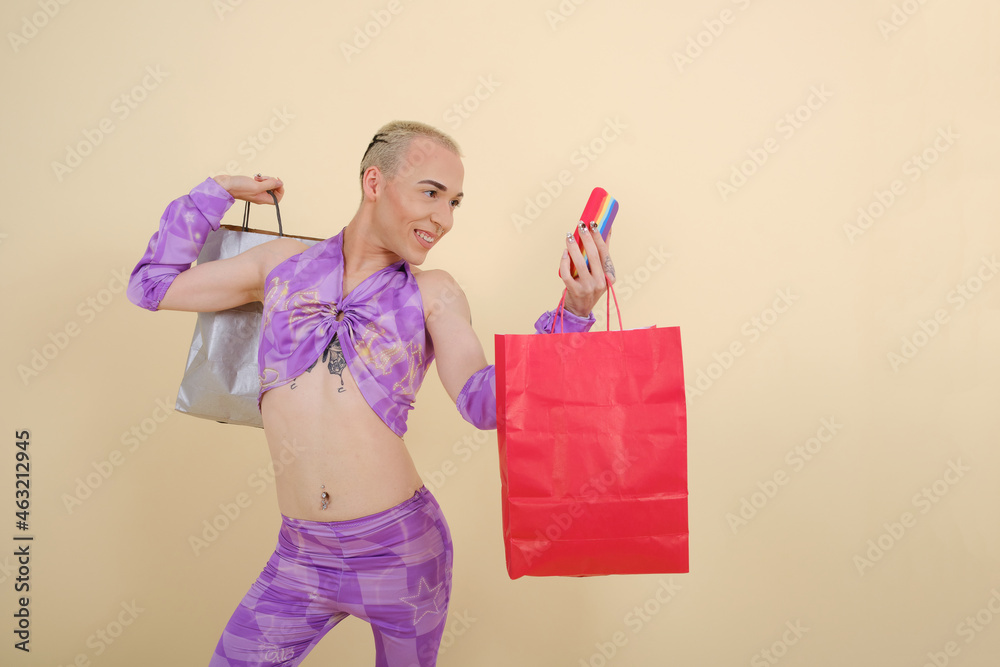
443,216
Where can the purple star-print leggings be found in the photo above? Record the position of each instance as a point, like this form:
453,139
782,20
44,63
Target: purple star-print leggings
391,569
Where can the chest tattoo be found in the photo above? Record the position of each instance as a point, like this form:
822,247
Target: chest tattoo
333,357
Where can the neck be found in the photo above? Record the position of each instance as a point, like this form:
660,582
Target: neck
364,252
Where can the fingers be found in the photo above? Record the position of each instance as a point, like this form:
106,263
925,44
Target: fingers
596,269
584,291
605,254
568,262
252,188
263,184
581,280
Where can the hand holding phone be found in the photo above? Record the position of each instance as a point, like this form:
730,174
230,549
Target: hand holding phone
602,209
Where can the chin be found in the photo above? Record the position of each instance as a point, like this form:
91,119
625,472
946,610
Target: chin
418,260
414,257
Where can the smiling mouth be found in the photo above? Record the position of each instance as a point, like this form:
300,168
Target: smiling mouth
424,236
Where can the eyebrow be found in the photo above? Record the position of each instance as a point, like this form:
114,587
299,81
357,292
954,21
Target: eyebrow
439,186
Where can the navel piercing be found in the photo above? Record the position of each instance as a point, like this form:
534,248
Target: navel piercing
324,497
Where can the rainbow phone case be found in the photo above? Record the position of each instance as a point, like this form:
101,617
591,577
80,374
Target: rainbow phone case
602,209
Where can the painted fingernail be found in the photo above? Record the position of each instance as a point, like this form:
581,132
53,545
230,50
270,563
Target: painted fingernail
583,226
593,226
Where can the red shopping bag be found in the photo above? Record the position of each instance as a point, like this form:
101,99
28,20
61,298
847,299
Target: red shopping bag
592,430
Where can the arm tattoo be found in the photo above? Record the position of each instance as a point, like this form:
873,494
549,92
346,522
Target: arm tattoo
333,357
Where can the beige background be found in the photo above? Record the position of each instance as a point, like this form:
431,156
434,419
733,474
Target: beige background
673,130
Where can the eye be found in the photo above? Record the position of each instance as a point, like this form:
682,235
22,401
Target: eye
455,203
431,193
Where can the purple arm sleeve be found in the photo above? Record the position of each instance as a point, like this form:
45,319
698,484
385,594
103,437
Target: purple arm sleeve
548,323
184,228
477,402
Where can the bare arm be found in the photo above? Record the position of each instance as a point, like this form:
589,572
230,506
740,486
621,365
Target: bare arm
449,323
227,283
164,279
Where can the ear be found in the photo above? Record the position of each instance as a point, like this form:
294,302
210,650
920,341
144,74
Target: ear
372,183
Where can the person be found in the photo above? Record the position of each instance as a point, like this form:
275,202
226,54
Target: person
349,327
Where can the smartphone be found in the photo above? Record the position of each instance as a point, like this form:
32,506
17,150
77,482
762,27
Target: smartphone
602,209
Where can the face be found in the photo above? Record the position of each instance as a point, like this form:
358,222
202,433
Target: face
416,207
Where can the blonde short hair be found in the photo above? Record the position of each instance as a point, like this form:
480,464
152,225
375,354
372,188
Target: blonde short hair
389,145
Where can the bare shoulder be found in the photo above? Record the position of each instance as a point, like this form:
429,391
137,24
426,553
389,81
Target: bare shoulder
287,246
440,293
435,282
431,277
268,255
277,251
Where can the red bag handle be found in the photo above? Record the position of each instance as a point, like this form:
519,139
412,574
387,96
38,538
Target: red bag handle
560,311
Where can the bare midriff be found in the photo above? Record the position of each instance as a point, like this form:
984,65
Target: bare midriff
324,437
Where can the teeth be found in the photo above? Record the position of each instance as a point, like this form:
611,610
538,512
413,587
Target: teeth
429,239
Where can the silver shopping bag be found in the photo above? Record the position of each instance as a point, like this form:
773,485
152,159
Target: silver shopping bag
221,380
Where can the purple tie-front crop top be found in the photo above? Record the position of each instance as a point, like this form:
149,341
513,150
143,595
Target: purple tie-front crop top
381,328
